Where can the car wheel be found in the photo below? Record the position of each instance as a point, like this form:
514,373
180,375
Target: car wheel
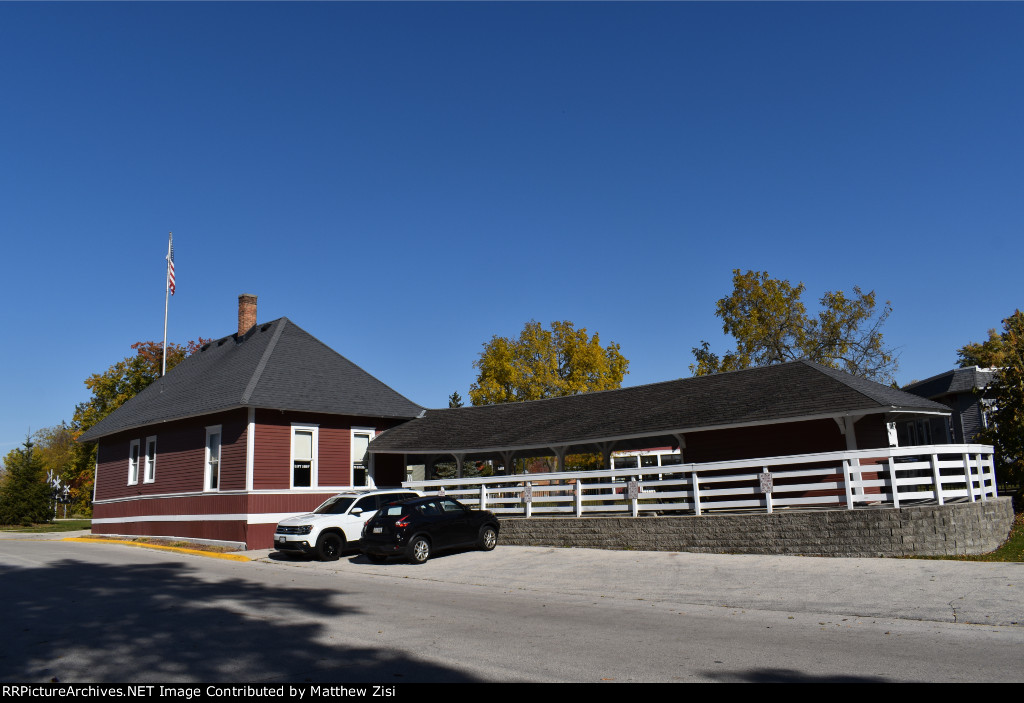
328,547
377,558
488,538
419,550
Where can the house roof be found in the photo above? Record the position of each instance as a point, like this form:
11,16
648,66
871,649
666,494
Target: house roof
794,391
275,365
967,380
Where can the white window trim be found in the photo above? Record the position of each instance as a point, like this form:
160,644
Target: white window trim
250,448
372,431
212,430
149,470
314,478
133,465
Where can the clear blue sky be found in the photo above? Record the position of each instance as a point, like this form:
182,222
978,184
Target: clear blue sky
406,180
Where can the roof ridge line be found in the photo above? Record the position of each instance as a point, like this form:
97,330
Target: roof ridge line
830,371
249,389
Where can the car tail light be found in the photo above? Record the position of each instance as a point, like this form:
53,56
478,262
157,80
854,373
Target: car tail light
403,522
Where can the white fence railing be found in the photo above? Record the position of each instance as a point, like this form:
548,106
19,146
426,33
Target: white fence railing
869,477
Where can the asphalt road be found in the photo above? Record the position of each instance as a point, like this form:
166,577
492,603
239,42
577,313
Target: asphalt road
79,612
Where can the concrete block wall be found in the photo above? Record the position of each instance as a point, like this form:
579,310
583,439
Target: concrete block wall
923,530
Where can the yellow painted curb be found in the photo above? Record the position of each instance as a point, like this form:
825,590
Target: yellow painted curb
180,550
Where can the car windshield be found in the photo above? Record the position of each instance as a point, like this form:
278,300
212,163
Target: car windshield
334,506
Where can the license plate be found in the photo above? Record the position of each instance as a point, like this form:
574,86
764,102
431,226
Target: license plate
378,530
281,540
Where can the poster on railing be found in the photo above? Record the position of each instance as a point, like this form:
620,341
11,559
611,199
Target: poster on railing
633,490
767,483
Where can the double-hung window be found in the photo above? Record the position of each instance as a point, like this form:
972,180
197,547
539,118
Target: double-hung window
305,440
149,475
133,463
361,437
213,441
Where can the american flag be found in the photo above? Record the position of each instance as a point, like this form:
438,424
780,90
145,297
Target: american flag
170,263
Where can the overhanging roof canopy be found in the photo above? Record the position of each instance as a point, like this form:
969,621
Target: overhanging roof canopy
633,417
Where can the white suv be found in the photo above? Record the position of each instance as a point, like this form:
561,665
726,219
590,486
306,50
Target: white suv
335,525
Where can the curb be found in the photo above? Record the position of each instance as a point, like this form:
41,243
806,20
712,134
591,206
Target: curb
180,550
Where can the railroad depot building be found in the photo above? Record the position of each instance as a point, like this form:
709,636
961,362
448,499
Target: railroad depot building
269,422
255,426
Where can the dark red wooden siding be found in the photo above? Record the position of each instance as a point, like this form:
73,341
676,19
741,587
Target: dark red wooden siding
273,446
765,440
180,457
202,504
223,530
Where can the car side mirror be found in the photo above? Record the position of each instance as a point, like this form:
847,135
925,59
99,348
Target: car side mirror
356,511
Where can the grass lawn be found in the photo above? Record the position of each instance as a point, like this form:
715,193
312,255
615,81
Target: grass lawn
61,526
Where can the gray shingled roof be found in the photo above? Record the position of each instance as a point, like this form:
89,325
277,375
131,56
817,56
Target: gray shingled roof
276,365
964,380
793,391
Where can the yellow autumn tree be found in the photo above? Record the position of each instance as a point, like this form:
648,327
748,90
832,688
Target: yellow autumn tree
110,390
546,363
771,325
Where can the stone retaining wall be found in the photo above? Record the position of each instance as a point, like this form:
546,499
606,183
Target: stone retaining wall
925,530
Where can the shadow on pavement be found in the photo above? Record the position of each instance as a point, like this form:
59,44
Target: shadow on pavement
787,676
75,621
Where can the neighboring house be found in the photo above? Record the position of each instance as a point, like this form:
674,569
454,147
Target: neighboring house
253,427
965,392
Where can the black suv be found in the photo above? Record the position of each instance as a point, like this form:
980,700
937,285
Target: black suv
417,528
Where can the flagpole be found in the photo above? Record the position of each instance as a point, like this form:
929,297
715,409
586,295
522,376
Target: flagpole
167,299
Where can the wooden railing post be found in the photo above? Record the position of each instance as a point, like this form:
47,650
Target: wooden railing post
767,488
696,493
981,480
846,484
633,493
937,479
967,475
892,480
578,497
483,496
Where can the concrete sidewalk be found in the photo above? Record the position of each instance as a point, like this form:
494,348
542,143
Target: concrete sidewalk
990,593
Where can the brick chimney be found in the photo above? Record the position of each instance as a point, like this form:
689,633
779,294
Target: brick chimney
246,313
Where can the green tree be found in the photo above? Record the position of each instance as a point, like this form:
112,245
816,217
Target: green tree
544,363
989,354
25,496
110,390
771,325
57,452
1005,431
455,400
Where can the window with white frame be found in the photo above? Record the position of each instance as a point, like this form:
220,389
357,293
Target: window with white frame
149,474
133,462
305,442
361,437
213,442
